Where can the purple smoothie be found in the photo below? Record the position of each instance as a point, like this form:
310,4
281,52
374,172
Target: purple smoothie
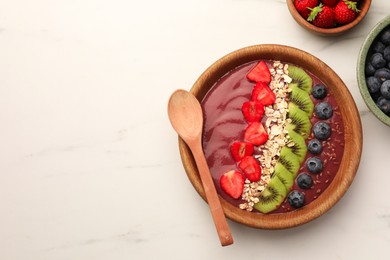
224,124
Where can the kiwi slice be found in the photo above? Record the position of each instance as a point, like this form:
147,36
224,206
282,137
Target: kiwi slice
289,161
272,196
299,148
299,76
301,99
300,122
284,175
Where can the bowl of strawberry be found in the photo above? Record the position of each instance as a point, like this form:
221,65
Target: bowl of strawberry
274,136
328,17
373,70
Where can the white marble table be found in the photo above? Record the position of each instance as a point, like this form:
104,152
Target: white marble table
89,164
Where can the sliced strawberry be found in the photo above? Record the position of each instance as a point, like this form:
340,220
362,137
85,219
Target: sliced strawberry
253,111
251,168
255,134
260,73
232,182
241,149
263,94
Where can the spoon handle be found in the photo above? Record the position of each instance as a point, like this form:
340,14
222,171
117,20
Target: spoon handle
219,218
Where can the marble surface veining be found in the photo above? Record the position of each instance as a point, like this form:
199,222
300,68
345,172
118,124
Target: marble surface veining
89,165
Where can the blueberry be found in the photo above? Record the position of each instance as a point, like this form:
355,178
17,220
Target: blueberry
376,96
324,110
384,105
304,181
296,199
314,165
373,84
385,89
314,146
378,61
322,130
378,46
369,69
385,36
386,53
319,91
382,74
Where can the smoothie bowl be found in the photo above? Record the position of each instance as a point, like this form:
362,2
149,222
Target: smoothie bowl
282,136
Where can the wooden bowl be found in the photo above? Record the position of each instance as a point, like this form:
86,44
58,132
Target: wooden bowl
349,112
363,6
365,50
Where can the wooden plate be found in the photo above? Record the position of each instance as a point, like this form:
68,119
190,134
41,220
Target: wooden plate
352,125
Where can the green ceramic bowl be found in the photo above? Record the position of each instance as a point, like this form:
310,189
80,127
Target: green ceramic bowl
364,52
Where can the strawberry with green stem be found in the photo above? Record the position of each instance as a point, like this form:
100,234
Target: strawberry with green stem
346,12
303,5
322,16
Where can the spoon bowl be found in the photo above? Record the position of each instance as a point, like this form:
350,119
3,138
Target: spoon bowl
188,120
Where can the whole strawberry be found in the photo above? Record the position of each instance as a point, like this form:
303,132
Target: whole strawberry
322,16
330,3
345,12
303,5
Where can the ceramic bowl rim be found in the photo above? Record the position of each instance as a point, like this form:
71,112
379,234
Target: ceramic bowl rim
364,50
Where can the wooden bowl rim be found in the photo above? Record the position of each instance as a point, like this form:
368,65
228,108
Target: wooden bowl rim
353,134
365,6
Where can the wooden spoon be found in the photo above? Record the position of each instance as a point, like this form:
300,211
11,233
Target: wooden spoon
185,114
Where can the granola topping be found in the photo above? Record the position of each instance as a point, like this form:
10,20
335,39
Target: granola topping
275,125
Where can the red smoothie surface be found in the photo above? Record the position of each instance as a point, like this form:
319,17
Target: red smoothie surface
224,124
